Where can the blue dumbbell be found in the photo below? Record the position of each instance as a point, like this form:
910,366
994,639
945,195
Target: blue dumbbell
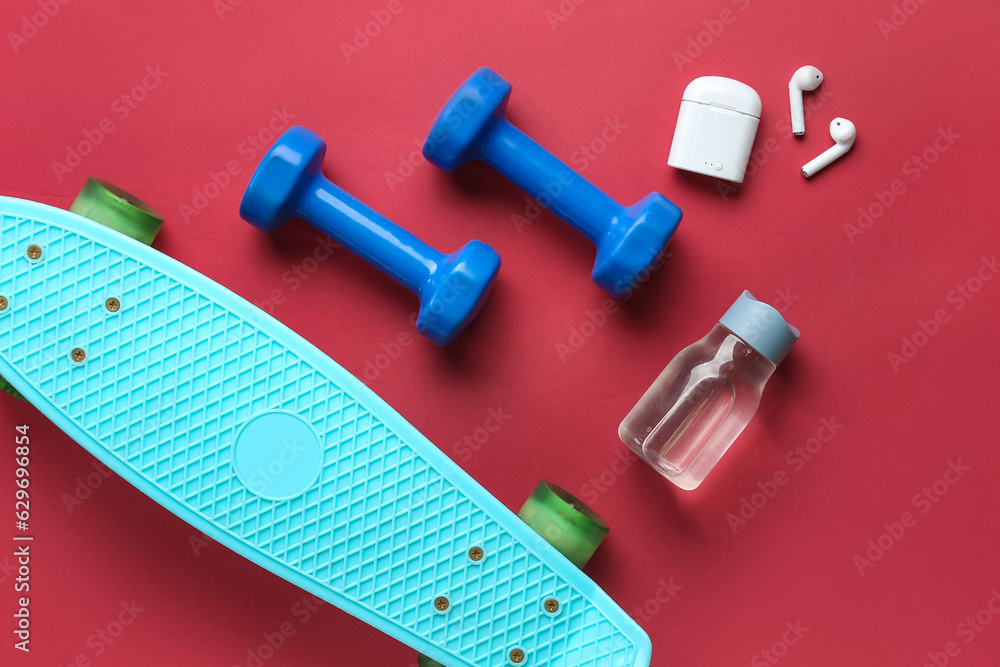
473,125
289,183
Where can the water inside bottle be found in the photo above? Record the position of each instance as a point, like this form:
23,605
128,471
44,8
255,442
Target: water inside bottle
677,440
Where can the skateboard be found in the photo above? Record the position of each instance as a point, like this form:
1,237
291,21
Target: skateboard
242,428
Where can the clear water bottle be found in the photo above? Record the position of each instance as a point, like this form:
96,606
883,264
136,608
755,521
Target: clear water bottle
705,397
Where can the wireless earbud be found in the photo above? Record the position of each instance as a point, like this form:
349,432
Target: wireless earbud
805,78
843,133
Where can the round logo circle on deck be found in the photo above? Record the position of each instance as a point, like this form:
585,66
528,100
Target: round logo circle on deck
277,455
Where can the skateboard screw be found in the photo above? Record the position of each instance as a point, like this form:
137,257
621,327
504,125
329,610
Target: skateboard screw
442,604
517,656
552,605
475,553
34,251
3,303
78,355
113,305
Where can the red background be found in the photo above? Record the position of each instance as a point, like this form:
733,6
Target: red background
854,299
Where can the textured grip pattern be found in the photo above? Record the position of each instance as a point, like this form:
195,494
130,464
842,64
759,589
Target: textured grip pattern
168,380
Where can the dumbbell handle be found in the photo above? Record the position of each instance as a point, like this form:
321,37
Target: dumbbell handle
368,234
521,160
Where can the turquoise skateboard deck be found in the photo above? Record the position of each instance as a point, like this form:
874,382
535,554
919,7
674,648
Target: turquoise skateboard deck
246,431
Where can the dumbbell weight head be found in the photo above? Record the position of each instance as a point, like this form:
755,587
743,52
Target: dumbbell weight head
633,243
466,119
456,291
274,191
289,183
472,125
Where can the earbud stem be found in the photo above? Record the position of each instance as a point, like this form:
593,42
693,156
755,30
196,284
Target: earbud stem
798,113
824,159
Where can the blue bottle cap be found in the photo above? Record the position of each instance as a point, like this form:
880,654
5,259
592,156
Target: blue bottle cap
761,326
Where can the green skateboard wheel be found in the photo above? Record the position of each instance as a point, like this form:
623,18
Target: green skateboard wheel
113,207
5,386
565,522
